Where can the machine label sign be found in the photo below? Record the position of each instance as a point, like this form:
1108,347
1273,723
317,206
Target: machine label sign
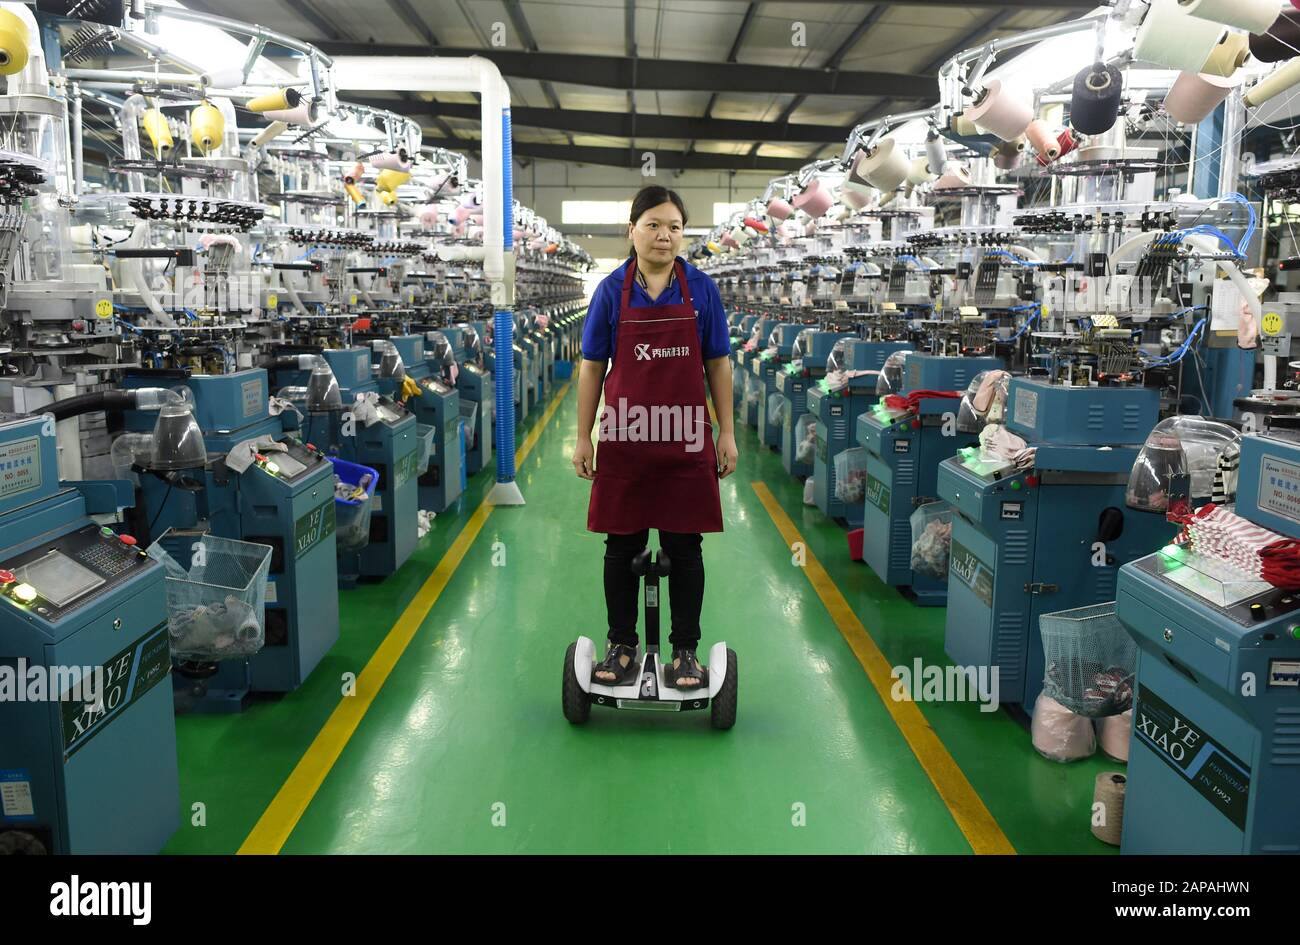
1215,773
972,572
20,466
406,468
254,398
127,677
313,528
16,795
837,410
1026,412
1279,487
878,494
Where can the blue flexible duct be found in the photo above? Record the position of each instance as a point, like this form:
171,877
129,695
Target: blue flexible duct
503,332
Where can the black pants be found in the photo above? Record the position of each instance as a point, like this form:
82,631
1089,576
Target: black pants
685,585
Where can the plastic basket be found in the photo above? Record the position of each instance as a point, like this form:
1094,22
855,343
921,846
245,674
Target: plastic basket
753,389
1090,660
932,539
216,608
352,516
776,407
424,432
805,439
469,414
851,475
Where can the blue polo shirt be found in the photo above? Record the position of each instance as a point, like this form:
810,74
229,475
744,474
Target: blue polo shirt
600,333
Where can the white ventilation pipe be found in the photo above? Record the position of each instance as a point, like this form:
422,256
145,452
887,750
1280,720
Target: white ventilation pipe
472,74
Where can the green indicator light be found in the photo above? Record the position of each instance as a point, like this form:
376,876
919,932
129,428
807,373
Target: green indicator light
106,532
1295,631
272,468
1015,484
1173,552
25,593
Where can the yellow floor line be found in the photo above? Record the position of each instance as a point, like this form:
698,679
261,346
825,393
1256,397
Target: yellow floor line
277,822
972,817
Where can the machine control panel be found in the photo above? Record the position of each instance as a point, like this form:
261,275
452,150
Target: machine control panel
292,464
54,579
1245,603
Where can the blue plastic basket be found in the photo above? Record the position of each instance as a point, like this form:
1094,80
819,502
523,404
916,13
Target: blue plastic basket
352,516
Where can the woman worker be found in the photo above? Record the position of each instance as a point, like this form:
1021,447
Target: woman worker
661,322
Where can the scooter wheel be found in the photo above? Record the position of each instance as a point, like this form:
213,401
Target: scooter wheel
576,705
723,708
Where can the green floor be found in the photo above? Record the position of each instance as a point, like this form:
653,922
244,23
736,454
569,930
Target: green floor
465,748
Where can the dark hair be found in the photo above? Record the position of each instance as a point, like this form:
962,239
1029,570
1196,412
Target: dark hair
652,196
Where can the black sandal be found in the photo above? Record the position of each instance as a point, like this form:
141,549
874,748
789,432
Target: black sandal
688,668
613,664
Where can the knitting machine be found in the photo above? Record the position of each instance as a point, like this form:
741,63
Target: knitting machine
1212,760
749,358
1140,296
478,392
835,402
424,378
87,770
533,330
904,446
770,362
742,324
812,349
377,432
1046,531
248,480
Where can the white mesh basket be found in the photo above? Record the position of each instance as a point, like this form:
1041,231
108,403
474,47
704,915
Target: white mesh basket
1090,660
216,608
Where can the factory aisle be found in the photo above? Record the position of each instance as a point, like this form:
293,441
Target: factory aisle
464,748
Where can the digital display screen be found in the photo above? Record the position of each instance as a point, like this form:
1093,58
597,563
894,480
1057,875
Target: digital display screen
288,465
58,578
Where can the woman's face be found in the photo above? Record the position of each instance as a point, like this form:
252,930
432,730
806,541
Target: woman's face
657,234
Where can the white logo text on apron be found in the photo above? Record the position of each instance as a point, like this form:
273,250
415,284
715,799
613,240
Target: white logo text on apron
645,353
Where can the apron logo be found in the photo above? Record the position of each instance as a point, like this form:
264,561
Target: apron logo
645,353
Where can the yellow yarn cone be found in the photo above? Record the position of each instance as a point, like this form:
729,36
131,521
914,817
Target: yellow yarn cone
206,127
390,180
159,132
13,43
272,101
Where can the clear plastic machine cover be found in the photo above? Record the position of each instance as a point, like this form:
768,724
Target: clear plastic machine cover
438,350
178,441
890,380
1181,454
838,359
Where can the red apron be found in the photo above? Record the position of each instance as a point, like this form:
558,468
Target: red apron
656,465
